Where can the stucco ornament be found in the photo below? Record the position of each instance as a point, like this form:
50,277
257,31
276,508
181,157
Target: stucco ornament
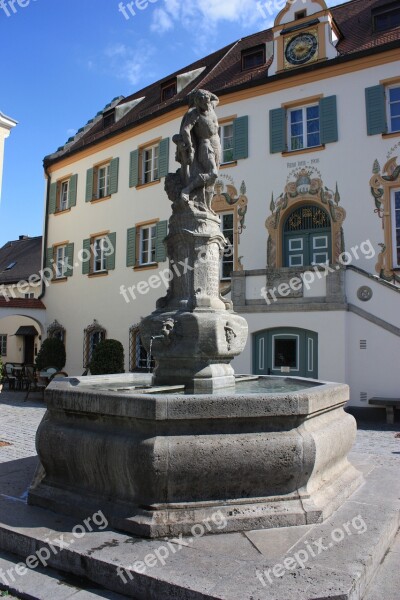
199,357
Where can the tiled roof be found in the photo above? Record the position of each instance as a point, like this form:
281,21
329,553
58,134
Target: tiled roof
22,303
223,73
26,254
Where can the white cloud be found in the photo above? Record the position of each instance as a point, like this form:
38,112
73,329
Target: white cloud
130,63
161,21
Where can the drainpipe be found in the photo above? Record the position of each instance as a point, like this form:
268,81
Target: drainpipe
46,216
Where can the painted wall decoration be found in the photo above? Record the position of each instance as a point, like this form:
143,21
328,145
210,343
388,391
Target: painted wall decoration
382,182
228,199
304,186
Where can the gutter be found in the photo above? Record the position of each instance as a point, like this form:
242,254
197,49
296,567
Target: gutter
45,230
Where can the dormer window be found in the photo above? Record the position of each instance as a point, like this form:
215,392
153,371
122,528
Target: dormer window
300,15
386,17
168,90
109,118
253,57
10,266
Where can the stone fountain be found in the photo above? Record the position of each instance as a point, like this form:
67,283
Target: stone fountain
161,453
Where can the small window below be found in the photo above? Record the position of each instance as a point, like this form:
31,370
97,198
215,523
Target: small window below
100,248
304,127
3,344
300,14
168,90
150,164
60,262
393,100
109,118
147,245
253,57
226,135
386,17
30,296
63,195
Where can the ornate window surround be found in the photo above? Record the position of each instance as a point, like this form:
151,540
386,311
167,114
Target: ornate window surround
95,327
382,183
307,189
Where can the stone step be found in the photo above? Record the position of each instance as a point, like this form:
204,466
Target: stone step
46,584
234,566
386,583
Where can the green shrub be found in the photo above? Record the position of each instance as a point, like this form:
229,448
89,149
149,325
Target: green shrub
108,358
1,370
51,354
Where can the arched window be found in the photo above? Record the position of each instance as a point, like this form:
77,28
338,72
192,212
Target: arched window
139,359
307,238
56,330
92,335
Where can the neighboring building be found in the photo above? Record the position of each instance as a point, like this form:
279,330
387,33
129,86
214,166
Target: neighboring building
6,124
310,125
22,313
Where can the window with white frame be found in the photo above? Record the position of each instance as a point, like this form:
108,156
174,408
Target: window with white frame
304,127
100,247
228,259
3,344
150,164
64,189
147,244
226,135
140,360
60,263
30,295
103,181
396,227
393,99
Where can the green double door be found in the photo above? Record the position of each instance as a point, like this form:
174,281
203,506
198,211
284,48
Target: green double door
304,248
286,351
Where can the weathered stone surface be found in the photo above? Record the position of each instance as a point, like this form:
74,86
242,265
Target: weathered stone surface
194,333
158,463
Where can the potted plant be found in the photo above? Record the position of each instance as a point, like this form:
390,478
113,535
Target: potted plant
108,358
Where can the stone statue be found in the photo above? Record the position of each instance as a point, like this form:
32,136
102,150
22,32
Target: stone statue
194,332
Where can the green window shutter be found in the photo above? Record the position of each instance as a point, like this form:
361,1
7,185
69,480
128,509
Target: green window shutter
86,257
241,138
163,158
49,261
161,234
328,120
53,198
376,110
69,257
114,167
89,185
277,130
131,247
110,259
134,168
72,190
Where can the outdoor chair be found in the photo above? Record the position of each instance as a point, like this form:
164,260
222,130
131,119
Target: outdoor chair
8,376
34,383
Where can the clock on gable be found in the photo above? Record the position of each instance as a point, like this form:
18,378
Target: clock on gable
301,48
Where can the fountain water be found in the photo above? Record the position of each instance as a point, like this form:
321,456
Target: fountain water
158,454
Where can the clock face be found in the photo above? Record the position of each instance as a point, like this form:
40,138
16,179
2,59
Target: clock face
301,48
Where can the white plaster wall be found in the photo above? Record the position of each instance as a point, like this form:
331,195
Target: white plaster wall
385,301
375,370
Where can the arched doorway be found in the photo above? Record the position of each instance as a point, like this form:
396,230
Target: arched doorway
307,237
286,350
20,339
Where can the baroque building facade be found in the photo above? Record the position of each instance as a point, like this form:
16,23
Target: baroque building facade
308,195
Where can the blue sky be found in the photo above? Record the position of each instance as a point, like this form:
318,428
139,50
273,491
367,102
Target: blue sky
63,60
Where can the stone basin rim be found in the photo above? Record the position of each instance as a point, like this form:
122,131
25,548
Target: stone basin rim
64,395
